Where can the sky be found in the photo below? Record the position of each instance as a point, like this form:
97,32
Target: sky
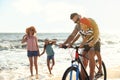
51,16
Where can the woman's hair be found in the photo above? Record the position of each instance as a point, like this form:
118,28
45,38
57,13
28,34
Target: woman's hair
29,29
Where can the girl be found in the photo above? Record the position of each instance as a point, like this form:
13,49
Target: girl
50,53
32,48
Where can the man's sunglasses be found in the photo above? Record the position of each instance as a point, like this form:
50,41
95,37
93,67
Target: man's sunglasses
77,20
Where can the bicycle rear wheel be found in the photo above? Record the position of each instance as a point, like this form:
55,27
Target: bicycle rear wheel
104,76
70,74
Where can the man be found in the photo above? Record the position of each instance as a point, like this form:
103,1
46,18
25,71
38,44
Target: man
88,30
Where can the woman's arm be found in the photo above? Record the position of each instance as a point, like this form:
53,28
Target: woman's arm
24,39
37,45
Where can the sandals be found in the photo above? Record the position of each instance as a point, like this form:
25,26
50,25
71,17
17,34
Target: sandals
99,74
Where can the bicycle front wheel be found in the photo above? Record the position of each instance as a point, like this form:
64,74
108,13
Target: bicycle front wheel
71,73
104,72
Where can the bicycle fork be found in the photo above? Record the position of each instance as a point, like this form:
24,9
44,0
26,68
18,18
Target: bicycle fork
77,72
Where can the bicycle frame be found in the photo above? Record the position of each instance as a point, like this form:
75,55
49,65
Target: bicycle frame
78,60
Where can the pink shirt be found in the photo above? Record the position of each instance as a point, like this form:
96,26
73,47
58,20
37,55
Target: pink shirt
32,43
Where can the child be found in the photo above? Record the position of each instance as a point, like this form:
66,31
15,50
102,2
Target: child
50,53
32,48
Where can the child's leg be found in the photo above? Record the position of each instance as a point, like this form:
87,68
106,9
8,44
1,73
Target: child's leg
31,65
53,63
35,63
48,65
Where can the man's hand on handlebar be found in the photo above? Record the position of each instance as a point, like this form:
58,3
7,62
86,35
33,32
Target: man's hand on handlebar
64,46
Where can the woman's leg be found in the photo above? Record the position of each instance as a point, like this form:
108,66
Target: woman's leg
31,65
36,64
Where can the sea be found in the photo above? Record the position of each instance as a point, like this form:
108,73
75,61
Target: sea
14,63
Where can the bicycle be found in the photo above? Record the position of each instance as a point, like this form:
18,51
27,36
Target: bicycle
73,72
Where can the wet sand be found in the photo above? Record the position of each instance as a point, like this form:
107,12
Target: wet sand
113,73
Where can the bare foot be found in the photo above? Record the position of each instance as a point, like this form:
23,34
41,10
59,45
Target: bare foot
31,75
37,76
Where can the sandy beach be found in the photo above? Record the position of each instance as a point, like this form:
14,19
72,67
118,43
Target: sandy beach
113,73
22,72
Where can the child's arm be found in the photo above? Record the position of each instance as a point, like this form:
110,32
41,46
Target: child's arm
52,41
24,39
43,51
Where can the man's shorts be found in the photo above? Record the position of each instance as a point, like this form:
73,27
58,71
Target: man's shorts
50,57
32,53
96,47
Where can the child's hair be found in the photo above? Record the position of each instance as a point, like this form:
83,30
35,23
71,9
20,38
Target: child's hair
46,40
31,28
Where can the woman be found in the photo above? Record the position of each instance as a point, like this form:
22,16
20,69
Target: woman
32,47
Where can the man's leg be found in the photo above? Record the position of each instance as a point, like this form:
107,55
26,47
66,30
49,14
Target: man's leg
97,51
85,63
99,73
91,54
99,61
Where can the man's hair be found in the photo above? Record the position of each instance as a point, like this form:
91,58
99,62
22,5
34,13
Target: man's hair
72,15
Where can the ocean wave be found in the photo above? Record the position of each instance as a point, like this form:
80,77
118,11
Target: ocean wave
16,44
111,42
6,65
13,41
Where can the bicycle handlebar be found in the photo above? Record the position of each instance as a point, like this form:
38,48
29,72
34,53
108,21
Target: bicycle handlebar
75,47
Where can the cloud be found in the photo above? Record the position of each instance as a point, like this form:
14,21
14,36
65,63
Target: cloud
50,11
60,11
27,7
54,14
50,14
